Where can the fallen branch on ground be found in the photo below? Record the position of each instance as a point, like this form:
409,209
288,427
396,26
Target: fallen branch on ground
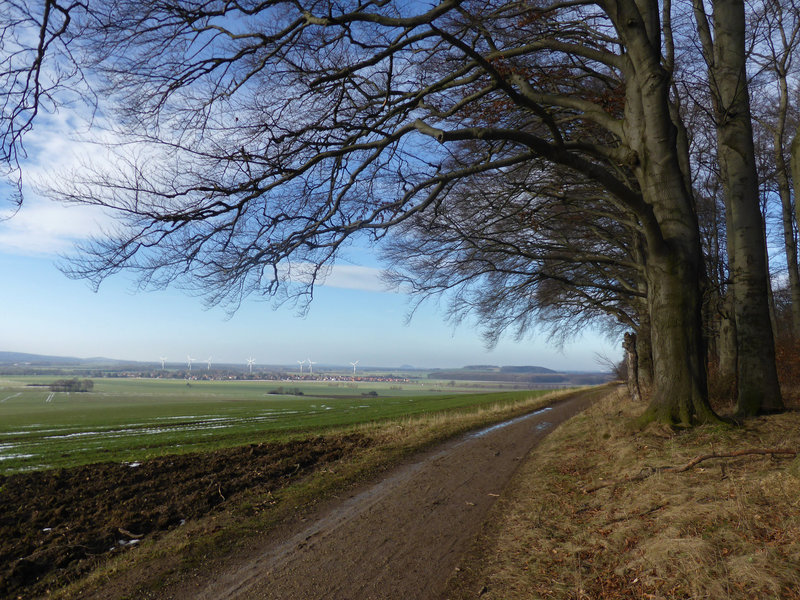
648,471
133,536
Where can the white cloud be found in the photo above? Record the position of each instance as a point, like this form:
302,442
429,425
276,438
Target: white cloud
351,277
354,277
44,227
58,145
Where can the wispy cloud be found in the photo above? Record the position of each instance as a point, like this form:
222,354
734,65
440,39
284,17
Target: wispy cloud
42,227
351,277
354,277
58,145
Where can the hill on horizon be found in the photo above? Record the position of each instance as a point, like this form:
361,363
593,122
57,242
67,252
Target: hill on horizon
16,358
522,374
22,357
526,369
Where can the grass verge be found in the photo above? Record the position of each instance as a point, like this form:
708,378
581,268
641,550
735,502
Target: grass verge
727,528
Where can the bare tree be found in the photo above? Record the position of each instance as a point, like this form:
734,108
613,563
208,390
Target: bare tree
258,138
779,27
724,49
548,245
37,71
539,249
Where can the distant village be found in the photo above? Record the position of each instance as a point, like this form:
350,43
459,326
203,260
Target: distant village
530,376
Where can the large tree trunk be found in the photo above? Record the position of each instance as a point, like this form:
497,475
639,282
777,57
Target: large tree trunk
680,390
758,388
673,262
674,270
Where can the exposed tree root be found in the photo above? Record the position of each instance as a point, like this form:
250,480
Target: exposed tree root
648,471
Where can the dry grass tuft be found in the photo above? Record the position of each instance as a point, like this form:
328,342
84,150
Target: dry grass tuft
726,529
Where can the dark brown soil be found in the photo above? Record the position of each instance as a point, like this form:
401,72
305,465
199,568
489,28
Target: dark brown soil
63,523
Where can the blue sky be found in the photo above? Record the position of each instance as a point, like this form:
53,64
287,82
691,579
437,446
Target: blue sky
47,313
351,318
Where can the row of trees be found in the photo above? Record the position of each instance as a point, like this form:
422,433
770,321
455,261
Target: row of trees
567,162
72,385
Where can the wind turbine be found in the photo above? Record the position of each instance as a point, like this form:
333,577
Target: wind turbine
209,363
163,358
354,367
310,365
301,363
189,361
250,362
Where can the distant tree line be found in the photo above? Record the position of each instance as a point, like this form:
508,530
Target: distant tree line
280,391
72,385
526,378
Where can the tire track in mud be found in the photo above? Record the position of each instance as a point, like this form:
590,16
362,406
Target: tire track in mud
399,538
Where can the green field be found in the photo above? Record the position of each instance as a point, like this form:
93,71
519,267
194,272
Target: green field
133,419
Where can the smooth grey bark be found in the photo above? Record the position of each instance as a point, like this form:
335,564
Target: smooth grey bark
673,261
758,389
679,357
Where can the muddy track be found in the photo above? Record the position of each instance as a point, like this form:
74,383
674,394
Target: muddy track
400,537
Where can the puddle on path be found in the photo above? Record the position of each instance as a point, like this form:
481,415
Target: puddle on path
514,421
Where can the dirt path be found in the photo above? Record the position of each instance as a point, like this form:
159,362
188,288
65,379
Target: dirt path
402,537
